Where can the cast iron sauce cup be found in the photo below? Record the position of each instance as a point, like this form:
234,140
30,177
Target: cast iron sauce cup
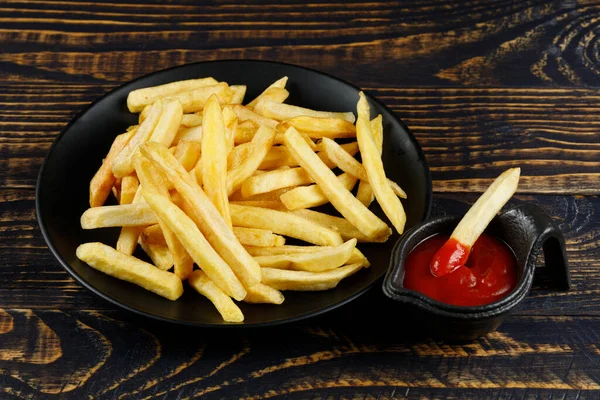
525,228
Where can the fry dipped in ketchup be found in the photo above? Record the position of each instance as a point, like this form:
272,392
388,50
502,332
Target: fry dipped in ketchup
453,255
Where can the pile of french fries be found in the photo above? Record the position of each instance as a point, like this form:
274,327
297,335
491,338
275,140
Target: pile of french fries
211,189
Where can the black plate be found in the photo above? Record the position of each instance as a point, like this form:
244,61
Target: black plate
62,190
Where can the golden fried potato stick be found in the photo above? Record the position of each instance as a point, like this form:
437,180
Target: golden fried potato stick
122,164
365,192
244,132
168,123
138,99
195,100
129,187
352,209
257,237
111,216
239,91
205,215
312,196
272,92
103,181
259,147
317,128
281,111
263,294
214,158
338,224
273,204
356,257
245,114
349,164
284,223
282,279
326,259
389,202
128,268
152,182
223,303
273,180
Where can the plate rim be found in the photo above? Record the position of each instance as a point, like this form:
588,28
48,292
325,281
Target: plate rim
289,320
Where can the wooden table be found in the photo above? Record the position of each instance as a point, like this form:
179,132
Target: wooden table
483,86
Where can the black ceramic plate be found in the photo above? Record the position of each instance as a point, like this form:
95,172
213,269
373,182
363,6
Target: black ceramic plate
62,190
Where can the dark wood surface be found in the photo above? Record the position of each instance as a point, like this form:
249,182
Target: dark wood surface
484,85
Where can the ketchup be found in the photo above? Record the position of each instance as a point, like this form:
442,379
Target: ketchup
489,274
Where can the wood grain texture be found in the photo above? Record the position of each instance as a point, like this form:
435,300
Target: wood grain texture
483,85
139,359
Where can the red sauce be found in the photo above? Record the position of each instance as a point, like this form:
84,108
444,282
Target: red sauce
489,274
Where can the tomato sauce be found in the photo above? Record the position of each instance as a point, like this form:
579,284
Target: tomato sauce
489,274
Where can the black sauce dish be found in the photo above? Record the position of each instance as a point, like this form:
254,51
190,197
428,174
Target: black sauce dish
526,229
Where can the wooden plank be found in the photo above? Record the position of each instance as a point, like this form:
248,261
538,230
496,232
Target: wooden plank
34,279
469,135
128,357
435,43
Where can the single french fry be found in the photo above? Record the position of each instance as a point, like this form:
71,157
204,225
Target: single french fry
356,257
152,182
122,164
138,99
129,187
128,268
237,155
281,111
196,245
239,91
352,209
317,128
244,114
274,180
282,279
223,303
168,123
193,134
259,147
284,223
187,153
205,215
191,120
349,164
365,192
312,196
153,234
389,202
270,197
214,159
257,237
195,100
160,255
455,252
122,215
326,259
263,294
104,179
268,93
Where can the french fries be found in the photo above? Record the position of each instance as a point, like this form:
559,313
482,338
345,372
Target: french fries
128,268
211,189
